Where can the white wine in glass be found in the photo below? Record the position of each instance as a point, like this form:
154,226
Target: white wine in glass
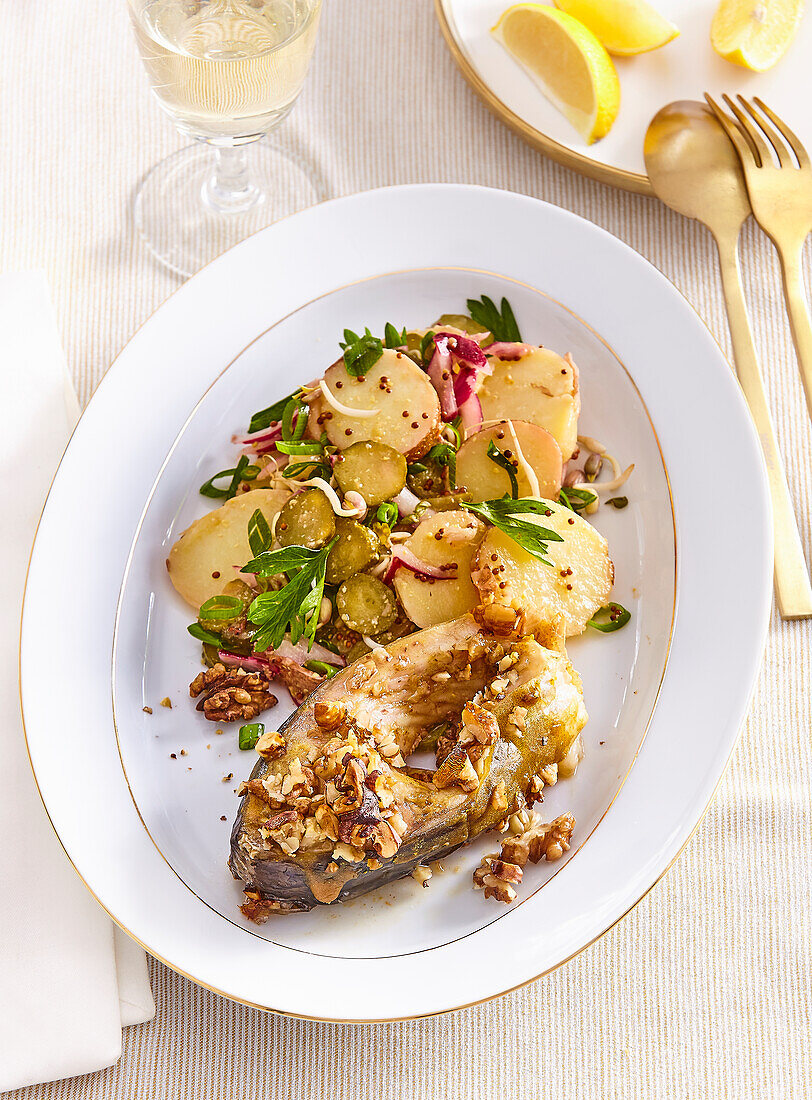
226,72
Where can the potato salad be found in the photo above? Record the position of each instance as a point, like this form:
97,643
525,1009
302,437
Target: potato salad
430,473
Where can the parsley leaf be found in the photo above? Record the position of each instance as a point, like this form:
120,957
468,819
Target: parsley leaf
501,459
500,322
531,536
361,353
295,607
392,338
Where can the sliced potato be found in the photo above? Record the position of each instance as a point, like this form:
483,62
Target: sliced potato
407,408
203,560
485,480
448,538
509,575
541,387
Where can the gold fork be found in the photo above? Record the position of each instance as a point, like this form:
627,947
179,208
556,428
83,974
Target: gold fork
781,200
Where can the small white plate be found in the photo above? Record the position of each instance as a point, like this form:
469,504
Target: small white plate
147,837
684,69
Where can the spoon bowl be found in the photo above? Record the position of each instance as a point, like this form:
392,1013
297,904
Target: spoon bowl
694,168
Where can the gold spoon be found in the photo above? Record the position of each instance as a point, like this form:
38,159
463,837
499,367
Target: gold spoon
695,170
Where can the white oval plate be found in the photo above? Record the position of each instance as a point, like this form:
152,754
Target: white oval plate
684,69
149,842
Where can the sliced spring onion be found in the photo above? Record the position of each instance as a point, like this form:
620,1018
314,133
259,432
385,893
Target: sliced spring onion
387,513
260,536
318,466
243,471
265,417
294,419
610,618
294,447
250,734
221,609
322,668
197,631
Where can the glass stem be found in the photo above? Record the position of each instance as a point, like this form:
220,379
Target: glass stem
230,190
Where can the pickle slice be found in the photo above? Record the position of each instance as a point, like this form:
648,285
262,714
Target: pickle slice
356,549
365,604
459,321
375,470
307,520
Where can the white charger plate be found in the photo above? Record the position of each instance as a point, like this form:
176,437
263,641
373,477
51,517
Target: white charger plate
684,69
144,831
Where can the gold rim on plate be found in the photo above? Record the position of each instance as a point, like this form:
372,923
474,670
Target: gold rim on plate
594,169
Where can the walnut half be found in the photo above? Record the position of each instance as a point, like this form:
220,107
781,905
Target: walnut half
228,694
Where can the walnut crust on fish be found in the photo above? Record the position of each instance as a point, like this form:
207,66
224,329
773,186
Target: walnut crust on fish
332,808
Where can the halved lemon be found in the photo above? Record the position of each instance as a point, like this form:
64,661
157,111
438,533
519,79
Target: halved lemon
625,27
755,33
568,63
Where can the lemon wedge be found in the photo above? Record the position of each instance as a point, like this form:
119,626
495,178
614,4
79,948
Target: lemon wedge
755,33
625,27
568,63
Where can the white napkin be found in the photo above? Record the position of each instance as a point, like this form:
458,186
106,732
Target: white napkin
69,980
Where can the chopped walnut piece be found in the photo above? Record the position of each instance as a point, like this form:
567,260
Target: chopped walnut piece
329,715
498,802
498,878
271,745
479,723
258,909
500,620
499,875
540,841
456,770
228,694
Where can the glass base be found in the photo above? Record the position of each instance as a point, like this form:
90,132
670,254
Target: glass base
184,218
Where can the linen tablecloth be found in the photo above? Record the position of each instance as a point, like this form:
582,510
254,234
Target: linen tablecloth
705,988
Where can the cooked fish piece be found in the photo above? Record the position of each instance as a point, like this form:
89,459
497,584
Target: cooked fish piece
333,809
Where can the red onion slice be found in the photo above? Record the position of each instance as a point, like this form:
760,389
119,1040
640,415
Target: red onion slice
442,377
471,415
507,349
403,557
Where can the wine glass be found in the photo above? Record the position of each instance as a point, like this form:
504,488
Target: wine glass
226,72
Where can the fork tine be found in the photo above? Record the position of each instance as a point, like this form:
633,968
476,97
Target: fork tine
781,151
742,146
791,138
751,131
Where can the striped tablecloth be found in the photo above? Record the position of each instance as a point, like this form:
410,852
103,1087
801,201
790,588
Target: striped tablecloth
705,988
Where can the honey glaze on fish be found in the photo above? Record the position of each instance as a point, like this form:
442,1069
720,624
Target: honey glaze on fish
333,809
